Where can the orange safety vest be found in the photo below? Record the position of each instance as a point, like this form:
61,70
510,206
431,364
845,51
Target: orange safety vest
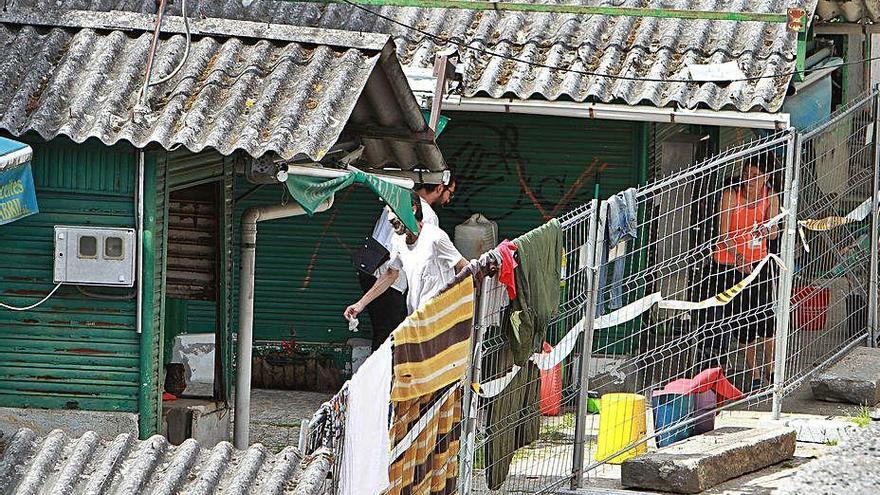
744,218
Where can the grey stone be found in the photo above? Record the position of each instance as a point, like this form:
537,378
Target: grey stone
855,379
703,461
817,430
72,422
850,468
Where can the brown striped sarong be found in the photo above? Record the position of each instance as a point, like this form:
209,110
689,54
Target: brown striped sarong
432,345
430,465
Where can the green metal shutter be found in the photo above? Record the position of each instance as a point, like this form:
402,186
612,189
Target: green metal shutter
304,278
521,170
73,351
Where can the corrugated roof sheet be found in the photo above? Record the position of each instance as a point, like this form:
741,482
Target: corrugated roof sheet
292,91
57,463
849,10
649,47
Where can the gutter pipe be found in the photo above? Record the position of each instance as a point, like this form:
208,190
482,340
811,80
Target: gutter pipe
723,118
249,221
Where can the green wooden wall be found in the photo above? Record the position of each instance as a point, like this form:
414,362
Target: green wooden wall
74,351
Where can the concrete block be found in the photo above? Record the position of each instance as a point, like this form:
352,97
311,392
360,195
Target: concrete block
196,352
855,379
703,461
810,430
73,422
205,421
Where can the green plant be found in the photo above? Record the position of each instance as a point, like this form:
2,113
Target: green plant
831,443
863,418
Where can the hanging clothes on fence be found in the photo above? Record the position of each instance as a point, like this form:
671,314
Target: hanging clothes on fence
432,345
367,448
430,426
537,282
513,419
430,357
621,224
508,265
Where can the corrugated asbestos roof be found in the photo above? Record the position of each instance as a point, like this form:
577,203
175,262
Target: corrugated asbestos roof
649,47
89,465
849,10
245,86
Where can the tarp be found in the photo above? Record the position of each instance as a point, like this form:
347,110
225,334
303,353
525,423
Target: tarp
310,192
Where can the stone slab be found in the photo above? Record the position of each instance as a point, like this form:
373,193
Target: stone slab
817,430
854,379
73,422
703,461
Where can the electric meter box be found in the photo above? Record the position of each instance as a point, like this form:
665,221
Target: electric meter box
94,256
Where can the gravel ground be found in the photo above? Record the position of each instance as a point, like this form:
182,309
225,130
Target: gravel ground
850,468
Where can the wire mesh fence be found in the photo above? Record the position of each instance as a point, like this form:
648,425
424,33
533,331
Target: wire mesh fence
833,252
723,285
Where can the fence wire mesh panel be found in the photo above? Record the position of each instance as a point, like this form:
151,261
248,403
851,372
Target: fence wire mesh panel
831,286
527,401
688,271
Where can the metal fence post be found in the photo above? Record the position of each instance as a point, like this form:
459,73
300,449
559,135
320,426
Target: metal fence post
786,273
595,240
875,226
470,400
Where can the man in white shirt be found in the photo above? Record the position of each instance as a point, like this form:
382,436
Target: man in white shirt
389,309
428,260
434,197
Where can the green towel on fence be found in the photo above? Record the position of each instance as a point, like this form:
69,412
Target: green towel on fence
514,419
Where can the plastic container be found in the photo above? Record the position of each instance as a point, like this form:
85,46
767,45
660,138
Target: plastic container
669,410
551,388
811,307
475,236
705,404
621,423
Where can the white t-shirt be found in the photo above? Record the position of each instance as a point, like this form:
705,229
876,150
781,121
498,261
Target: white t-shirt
428,265
383,232
429,217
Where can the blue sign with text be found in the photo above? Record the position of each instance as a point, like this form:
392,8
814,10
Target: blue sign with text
17,196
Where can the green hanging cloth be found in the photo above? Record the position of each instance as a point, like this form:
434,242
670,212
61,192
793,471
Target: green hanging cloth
310,192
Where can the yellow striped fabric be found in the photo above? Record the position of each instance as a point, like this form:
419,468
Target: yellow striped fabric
824,223
432,346
430,465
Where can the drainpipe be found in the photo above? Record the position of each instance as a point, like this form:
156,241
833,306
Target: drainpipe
139,225
249,222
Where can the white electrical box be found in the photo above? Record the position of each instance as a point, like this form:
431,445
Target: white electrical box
94,256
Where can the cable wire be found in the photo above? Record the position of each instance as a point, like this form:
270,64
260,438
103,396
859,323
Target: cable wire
460,44
32,306
185,51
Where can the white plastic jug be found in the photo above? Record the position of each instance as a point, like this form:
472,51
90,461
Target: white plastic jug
476,236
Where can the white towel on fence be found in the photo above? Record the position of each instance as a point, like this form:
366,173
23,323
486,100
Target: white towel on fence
366,453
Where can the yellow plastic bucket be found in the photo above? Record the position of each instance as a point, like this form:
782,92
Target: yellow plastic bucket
621,422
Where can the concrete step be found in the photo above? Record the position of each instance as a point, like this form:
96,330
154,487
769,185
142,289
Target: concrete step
854,379
703,461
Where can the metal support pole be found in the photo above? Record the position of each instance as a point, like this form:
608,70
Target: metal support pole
875,229
786,273
470,400
595,241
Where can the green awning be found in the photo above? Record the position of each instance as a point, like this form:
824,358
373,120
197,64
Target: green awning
310,192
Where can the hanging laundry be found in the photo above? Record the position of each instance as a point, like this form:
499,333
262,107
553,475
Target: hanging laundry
430,427
508,264
366,449
621,224
432,346
537,282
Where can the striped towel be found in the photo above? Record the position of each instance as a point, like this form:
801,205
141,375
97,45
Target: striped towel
432,345
824,223
429,466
